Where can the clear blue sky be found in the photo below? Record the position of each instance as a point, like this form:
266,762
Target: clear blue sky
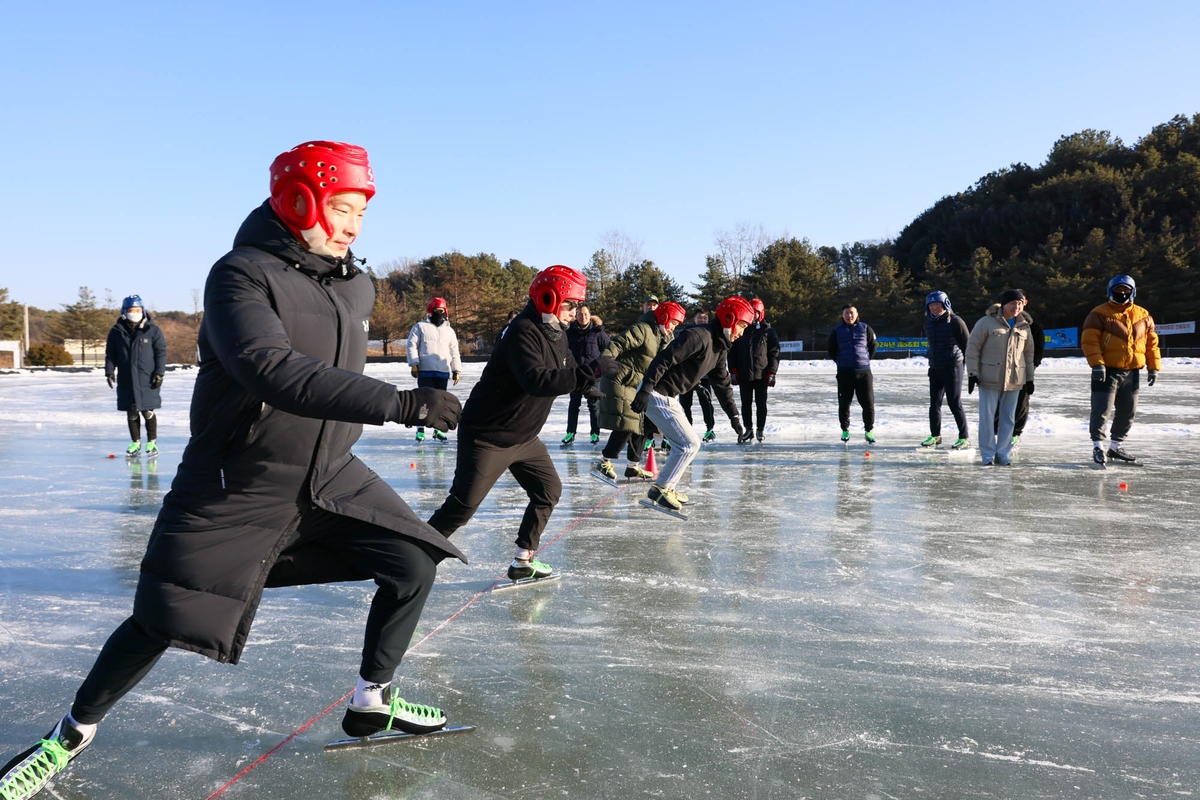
137,136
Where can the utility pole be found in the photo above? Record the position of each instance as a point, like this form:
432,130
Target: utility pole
26,343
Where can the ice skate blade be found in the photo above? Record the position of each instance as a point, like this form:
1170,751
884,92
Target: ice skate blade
648,503
523,582
949,452
602,477
386,737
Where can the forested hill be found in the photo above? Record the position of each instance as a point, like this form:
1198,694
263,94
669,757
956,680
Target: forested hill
1094,208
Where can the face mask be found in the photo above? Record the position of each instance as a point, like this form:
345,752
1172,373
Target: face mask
438,317
134,316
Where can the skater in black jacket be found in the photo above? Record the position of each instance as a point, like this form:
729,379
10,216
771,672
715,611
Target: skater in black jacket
852,346
530,366
695,353
135,360
268,493
753,362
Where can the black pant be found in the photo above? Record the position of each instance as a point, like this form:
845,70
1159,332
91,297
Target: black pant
626,439
433,383
849,385
404,570
480,464
754,392
703,391
573,412
1022,413
135,425
947,382
1119,390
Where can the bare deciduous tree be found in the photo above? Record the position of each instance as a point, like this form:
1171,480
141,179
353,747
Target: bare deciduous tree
737,248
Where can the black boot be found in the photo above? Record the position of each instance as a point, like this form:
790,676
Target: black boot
1115,453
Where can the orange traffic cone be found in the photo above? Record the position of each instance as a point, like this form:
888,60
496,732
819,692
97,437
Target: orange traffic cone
651,467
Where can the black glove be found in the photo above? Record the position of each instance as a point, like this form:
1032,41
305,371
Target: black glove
1151,375
1028,387
456,376
733,377
155,381
736,424
604,367
640,401
429,407
744,437
971,381
1099,374
593,392
770,379
415,370
112,380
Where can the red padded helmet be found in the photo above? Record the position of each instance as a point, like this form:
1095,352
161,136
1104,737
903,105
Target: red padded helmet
733,310
437,302
555,284
670,310
759,309
315,171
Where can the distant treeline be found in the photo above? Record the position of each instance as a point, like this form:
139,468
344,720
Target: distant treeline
1096,207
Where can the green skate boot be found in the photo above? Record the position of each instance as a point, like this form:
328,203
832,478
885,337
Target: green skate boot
870,437
960,443
31,770
932,441
134,450
522,570
845,436
393,714
568,440
420,435
151,449
709,436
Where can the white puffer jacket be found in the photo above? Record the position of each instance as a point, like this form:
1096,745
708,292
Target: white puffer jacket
1001,357
434,348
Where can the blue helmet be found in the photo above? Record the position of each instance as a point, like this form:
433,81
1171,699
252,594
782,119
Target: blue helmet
937,297
1122,280
133,301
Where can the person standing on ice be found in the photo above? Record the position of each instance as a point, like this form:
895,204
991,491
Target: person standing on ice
432,354
753,362
268,493
947,335
1039,348
587,338
634,349
135,360
529,368
702,392
694,353
1118,341
1000,361
852,346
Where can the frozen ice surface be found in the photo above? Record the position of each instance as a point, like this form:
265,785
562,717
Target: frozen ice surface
827,625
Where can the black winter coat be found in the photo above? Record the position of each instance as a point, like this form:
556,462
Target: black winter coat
587,343
756,354
529,367
279,401
695,352
135,353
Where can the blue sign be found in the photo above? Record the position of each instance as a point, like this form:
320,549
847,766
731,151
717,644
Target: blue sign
913,344
1058,338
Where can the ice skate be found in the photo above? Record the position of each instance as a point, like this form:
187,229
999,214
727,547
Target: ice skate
568,440
438,436
1016,441
595,439
526,573
636,473
1098,456
744,437
420,436
27,773
151,450
664,500
759,436
709,436
604,471
393,714
932,441
1117,453
961,443
845,437
134,450
870,437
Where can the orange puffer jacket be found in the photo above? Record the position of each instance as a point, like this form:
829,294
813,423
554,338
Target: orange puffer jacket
1121,337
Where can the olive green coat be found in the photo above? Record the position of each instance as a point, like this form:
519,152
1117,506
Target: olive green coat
634,349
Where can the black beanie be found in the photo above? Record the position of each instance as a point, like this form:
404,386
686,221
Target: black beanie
1008,295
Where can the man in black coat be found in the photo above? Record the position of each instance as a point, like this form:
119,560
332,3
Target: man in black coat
753,362
587,339
135,360
268,493
530,366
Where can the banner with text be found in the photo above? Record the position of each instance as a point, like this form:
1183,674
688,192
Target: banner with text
892,344
1176,327
1059,338
791,347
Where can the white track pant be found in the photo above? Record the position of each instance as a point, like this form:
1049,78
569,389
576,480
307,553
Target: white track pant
667,414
